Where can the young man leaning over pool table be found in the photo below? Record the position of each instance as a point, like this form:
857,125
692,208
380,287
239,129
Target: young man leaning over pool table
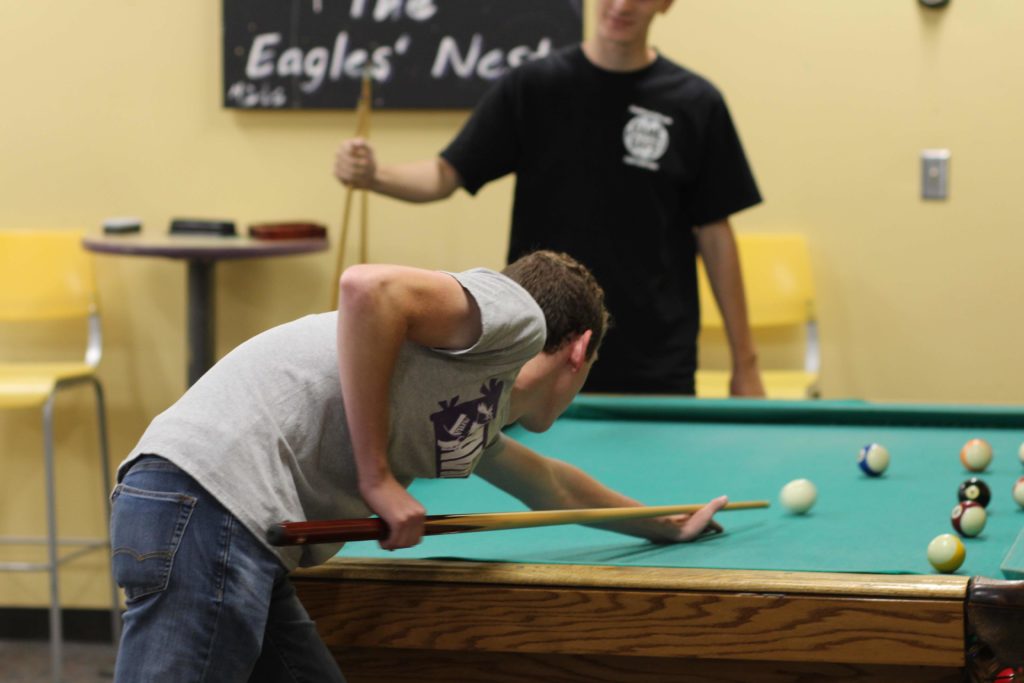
431,366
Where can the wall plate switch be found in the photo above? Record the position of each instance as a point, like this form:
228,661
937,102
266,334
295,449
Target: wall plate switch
934,173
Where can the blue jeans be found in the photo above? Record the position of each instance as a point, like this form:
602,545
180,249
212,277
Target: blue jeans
206,601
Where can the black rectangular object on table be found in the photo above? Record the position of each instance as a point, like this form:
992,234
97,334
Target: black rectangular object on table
195,226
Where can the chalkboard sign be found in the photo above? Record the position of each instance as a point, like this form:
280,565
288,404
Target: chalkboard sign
312,54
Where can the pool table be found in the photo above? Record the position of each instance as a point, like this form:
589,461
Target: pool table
843,593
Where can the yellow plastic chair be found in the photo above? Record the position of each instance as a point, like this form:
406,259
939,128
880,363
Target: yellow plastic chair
46,277
780,294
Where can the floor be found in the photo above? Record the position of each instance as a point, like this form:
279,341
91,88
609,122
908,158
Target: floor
28,661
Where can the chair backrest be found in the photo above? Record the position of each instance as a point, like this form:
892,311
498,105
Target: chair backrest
45,275
777,279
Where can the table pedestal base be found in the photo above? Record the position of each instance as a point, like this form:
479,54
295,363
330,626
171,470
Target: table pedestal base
200,318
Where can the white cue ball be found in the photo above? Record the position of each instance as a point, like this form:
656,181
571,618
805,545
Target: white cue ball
798,496
1020,452
946,553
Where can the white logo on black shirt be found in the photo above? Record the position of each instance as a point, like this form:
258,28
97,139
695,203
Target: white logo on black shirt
645,137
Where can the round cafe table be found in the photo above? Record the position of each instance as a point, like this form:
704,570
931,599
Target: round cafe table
201,252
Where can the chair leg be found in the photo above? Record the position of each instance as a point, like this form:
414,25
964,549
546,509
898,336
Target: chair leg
56,627
101,411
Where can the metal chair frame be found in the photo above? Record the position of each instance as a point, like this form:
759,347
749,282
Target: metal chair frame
52,541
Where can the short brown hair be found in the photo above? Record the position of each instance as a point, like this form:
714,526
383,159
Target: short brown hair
567,293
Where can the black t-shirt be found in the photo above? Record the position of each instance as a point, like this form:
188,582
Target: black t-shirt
615,169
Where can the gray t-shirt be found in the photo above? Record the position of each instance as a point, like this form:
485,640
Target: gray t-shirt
265,432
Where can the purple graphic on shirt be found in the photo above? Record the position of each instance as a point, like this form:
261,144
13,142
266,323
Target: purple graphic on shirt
460,430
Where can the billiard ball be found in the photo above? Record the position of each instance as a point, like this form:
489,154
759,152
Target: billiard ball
946,553
1020,452
974,489
968,518
976,455
798,496
873,459
1009,675
1018,492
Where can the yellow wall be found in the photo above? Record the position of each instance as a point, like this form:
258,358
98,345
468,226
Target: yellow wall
113,108
835,101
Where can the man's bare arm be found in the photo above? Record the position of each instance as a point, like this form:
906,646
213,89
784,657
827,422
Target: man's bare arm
355,165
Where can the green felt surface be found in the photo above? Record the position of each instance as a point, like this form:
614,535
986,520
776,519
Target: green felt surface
667,451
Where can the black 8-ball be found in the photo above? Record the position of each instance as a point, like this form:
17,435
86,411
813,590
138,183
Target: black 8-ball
974,489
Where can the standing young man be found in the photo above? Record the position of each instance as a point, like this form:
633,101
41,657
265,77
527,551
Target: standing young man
332,416
628,162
